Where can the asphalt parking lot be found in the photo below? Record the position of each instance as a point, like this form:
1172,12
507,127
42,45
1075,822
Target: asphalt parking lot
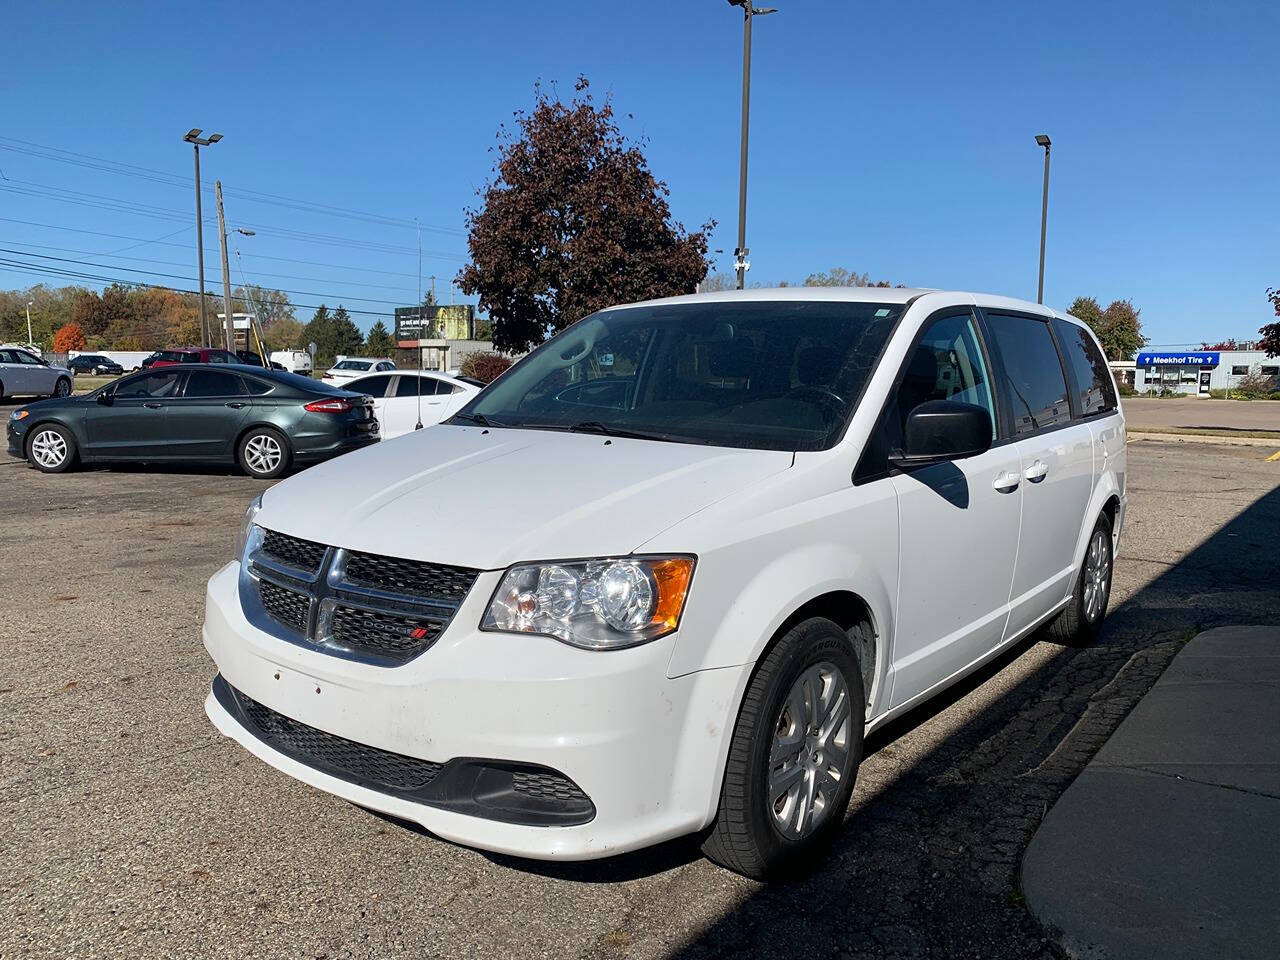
131,828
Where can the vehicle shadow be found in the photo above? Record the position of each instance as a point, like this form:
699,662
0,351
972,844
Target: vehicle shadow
927,863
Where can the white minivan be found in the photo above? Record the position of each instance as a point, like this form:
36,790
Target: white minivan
663,575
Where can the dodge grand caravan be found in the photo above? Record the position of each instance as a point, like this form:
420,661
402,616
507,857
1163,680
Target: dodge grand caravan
664,574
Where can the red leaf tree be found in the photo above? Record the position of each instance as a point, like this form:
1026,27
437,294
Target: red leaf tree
69,336
1270,341
573,221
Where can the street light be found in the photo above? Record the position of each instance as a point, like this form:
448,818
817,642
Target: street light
1042,139
740,261
30,340
193,137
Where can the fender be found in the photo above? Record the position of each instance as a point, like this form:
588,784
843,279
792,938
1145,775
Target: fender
1109,466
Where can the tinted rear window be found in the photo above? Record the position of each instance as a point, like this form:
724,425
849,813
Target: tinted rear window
1034,381
1095,390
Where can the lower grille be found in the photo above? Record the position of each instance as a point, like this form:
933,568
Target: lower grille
287,607
340,757
547,785
383,634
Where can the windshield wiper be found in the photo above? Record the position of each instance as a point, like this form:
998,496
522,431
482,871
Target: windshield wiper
477,418
596,426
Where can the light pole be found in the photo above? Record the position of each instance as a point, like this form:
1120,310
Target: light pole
1043,140
193,137
30,340
740,261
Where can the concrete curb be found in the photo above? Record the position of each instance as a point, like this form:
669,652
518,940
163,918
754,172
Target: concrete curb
1137,433
1167,843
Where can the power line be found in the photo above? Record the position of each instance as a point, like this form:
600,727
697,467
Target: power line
14,266
433,254
174,276
119,168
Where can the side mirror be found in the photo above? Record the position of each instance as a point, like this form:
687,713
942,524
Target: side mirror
105,398
941,430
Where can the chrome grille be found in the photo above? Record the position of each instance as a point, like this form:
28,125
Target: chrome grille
286,607
293,551
381,610
410,577
390,634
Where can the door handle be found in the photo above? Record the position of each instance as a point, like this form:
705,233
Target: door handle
154,406
1006,482
236,404
1036,472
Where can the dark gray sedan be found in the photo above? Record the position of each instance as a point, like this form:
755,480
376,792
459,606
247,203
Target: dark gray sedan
264,420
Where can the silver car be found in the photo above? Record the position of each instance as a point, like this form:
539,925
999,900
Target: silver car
23,374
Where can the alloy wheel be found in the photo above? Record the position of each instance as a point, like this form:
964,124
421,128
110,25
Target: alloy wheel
263,453
49,449
62,388
1097,576
810,751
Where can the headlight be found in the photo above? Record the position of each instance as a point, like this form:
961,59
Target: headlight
19,414
597,604
246,525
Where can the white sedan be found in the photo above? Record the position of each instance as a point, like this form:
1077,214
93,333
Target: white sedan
23,374
348,368
398,396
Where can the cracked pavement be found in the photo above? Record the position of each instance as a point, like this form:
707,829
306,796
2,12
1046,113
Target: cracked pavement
130,827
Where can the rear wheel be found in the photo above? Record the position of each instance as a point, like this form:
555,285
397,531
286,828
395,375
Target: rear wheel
794,756
51,448
263,453
1081,622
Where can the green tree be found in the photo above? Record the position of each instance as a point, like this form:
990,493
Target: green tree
347,337
574,220
1118,327
269,306
379,342
840,277
287,333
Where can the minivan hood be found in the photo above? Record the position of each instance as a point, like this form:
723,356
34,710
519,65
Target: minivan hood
489,498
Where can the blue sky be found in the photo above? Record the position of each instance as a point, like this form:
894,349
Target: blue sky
895,139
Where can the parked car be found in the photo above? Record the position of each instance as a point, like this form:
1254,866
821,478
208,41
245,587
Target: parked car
407,397
264,420
23,374
566,623
94,364
255,360
348,368
295,361
166,358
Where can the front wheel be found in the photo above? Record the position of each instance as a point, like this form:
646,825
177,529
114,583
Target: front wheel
1081,622
794,755
263,453
62,388
51,448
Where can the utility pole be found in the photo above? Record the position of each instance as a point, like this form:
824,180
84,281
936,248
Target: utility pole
1044,141
226,270
433,288
193,137
30,340
740,255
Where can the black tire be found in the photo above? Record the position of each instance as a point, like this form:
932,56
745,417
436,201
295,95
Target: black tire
62,388
746,837
43,448
1080,622
257,439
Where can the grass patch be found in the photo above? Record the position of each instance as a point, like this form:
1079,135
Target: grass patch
87,384
1210,432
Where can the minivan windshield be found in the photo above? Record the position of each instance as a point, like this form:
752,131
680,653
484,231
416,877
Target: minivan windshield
767,375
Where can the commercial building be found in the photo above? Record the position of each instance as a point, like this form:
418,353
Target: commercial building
437,337
1195,373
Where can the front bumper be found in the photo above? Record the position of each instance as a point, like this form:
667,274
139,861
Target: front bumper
647,750
15,437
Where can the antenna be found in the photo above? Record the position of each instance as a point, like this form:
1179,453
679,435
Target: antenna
418,372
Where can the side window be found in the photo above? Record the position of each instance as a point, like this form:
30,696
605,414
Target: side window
221,356
373,386
162,383
947,364
385,365
257,388
1036,385
211,383
408,386
1095,389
